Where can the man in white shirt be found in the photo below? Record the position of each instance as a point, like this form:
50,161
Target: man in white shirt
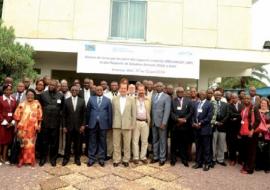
124,120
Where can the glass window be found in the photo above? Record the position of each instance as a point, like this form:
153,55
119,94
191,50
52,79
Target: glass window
128,19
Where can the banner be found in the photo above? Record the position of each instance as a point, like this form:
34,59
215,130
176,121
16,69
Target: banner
166,62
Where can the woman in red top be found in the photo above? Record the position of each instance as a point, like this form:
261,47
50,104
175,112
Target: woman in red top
250,121
7,108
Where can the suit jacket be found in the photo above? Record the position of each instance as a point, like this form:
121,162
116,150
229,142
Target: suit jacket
52,105
161,109
204,118
128,119
222,117
234,122
101,114
186,112
5,109
74,119
147,104
23,96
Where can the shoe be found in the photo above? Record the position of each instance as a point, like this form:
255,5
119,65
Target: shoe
78,162
136,162
7,163
185,163
197,166
232,163
89,164
53,163
212,164
222,163
20,165
42,162
145,161
206,167
108,158
161,163
126,164
267,171
115,164
154,161
101,163
172,162
65,162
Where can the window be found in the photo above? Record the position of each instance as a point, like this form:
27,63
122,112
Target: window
128,19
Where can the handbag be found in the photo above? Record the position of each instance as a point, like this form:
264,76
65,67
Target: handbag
262,126
15,150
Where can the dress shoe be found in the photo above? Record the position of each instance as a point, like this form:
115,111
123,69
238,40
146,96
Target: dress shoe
89,164
115,164
108,158
172,162
126,164
78,162
197,166
42,162
101,163
136,162
212,164
267,171
145,161
185,163
161,163
65,162
206,167
154,161
53,163
222,163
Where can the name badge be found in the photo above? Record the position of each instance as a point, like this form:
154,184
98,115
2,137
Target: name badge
200,110
58,101
10,114
242,122
179,108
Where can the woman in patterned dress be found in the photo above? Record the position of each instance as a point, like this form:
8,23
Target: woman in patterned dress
28,116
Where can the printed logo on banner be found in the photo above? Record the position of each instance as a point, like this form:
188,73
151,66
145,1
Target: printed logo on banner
88,47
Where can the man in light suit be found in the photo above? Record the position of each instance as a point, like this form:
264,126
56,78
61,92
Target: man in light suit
161,106
19,96
99,119
74,124
124,120
201,120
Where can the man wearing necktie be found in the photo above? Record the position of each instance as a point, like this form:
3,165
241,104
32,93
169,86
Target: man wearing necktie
233,129
161,106
201,120
219,122
99,121
124,121
19,96
74,124
181,114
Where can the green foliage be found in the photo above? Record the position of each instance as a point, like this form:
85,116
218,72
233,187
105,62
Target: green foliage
260,72
16,60
240,82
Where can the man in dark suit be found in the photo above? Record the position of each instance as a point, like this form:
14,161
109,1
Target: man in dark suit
52,103
74,124
99,120
181,115
219,122
86,93
234,125
161,107
202,124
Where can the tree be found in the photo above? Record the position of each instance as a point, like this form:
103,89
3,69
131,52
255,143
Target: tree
1,8
260,73
240,82
16,60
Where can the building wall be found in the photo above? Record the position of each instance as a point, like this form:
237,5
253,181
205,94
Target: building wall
201,23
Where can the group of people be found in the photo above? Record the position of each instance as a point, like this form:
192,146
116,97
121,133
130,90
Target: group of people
128,122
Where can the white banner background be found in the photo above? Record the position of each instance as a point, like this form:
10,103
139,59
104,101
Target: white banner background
137,60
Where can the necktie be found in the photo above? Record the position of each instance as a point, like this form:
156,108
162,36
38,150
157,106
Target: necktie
19,98
236,106
99,101
218,108
156,97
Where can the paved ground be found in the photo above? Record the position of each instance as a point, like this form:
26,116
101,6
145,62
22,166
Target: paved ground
139,177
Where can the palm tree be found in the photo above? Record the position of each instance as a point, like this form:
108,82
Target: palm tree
260,73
